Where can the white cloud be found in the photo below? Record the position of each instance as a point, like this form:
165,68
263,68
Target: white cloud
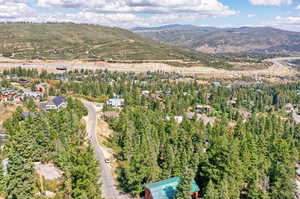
205,7
293,20
251,15
121,13
271,2
298,7
125,20
15,10
13,1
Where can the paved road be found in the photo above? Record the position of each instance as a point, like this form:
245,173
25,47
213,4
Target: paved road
109,190
279,61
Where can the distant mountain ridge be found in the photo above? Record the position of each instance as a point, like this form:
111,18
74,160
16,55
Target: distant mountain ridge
82,41
266,40
172,26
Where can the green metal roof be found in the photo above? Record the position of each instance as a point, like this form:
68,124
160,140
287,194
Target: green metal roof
166,189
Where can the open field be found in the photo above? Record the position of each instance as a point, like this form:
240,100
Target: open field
277,69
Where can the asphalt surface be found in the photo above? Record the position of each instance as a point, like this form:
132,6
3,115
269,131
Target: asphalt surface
108,187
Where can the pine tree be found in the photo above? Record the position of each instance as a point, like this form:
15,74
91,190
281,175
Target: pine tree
183,190
211,192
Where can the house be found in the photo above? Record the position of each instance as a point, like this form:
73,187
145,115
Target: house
168,93
202,117
178,119
10,95
244,114
33,94
27,114
289,108
207,120
99,107
23,81
63,68
42,88
7,91
216,84
156,96
55,103
231,102
166,189
145,92
11,77
17,99
203,109
191,115
115,102
61,78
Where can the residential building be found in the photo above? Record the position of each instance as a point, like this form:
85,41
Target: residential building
145,92
33,94
99,107
178,119
23,81
166,189
203,109
116,102
216,84
11,77
27,114
55,103
7,91
42,88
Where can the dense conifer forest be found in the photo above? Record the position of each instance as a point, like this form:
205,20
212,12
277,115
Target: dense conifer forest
57,137
244,144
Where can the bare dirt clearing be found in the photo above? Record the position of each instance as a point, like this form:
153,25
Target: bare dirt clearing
48,171
277,69
5,112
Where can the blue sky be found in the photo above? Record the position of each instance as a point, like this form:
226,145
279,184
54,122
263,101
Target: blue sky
283,14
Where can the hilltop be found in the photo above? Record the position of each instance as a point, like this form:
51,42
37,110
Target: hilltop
78,41
249,40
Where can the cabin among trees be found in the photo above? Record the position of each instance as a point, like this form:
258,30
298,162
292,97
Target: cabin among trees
166,189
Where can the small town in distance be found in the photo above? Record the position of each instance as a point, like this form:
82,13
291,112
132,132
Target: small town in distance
143,99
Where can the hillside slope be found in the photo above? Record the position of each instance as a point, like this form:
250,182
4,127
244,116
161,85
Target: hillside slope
265,40
71,41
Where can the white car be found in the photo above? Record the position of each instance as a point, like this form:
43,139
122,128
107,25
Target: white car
107,161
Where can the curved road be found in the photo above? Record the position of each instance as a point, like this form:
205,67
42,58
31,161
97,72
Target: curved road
109,188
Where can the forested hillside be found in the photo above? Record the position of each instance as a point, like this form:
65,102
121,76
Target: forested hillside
238,139
56,137
78,41
237,156
244,40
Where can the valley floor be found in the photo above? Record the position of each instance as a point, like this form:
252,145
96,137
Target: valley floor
278,68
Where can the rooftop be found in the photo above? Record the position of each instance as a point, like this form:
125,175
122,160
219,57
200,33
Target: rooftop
166,189
58,100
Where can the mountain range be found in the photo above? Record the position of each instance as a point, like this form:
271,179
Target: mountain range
243,40
81,41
